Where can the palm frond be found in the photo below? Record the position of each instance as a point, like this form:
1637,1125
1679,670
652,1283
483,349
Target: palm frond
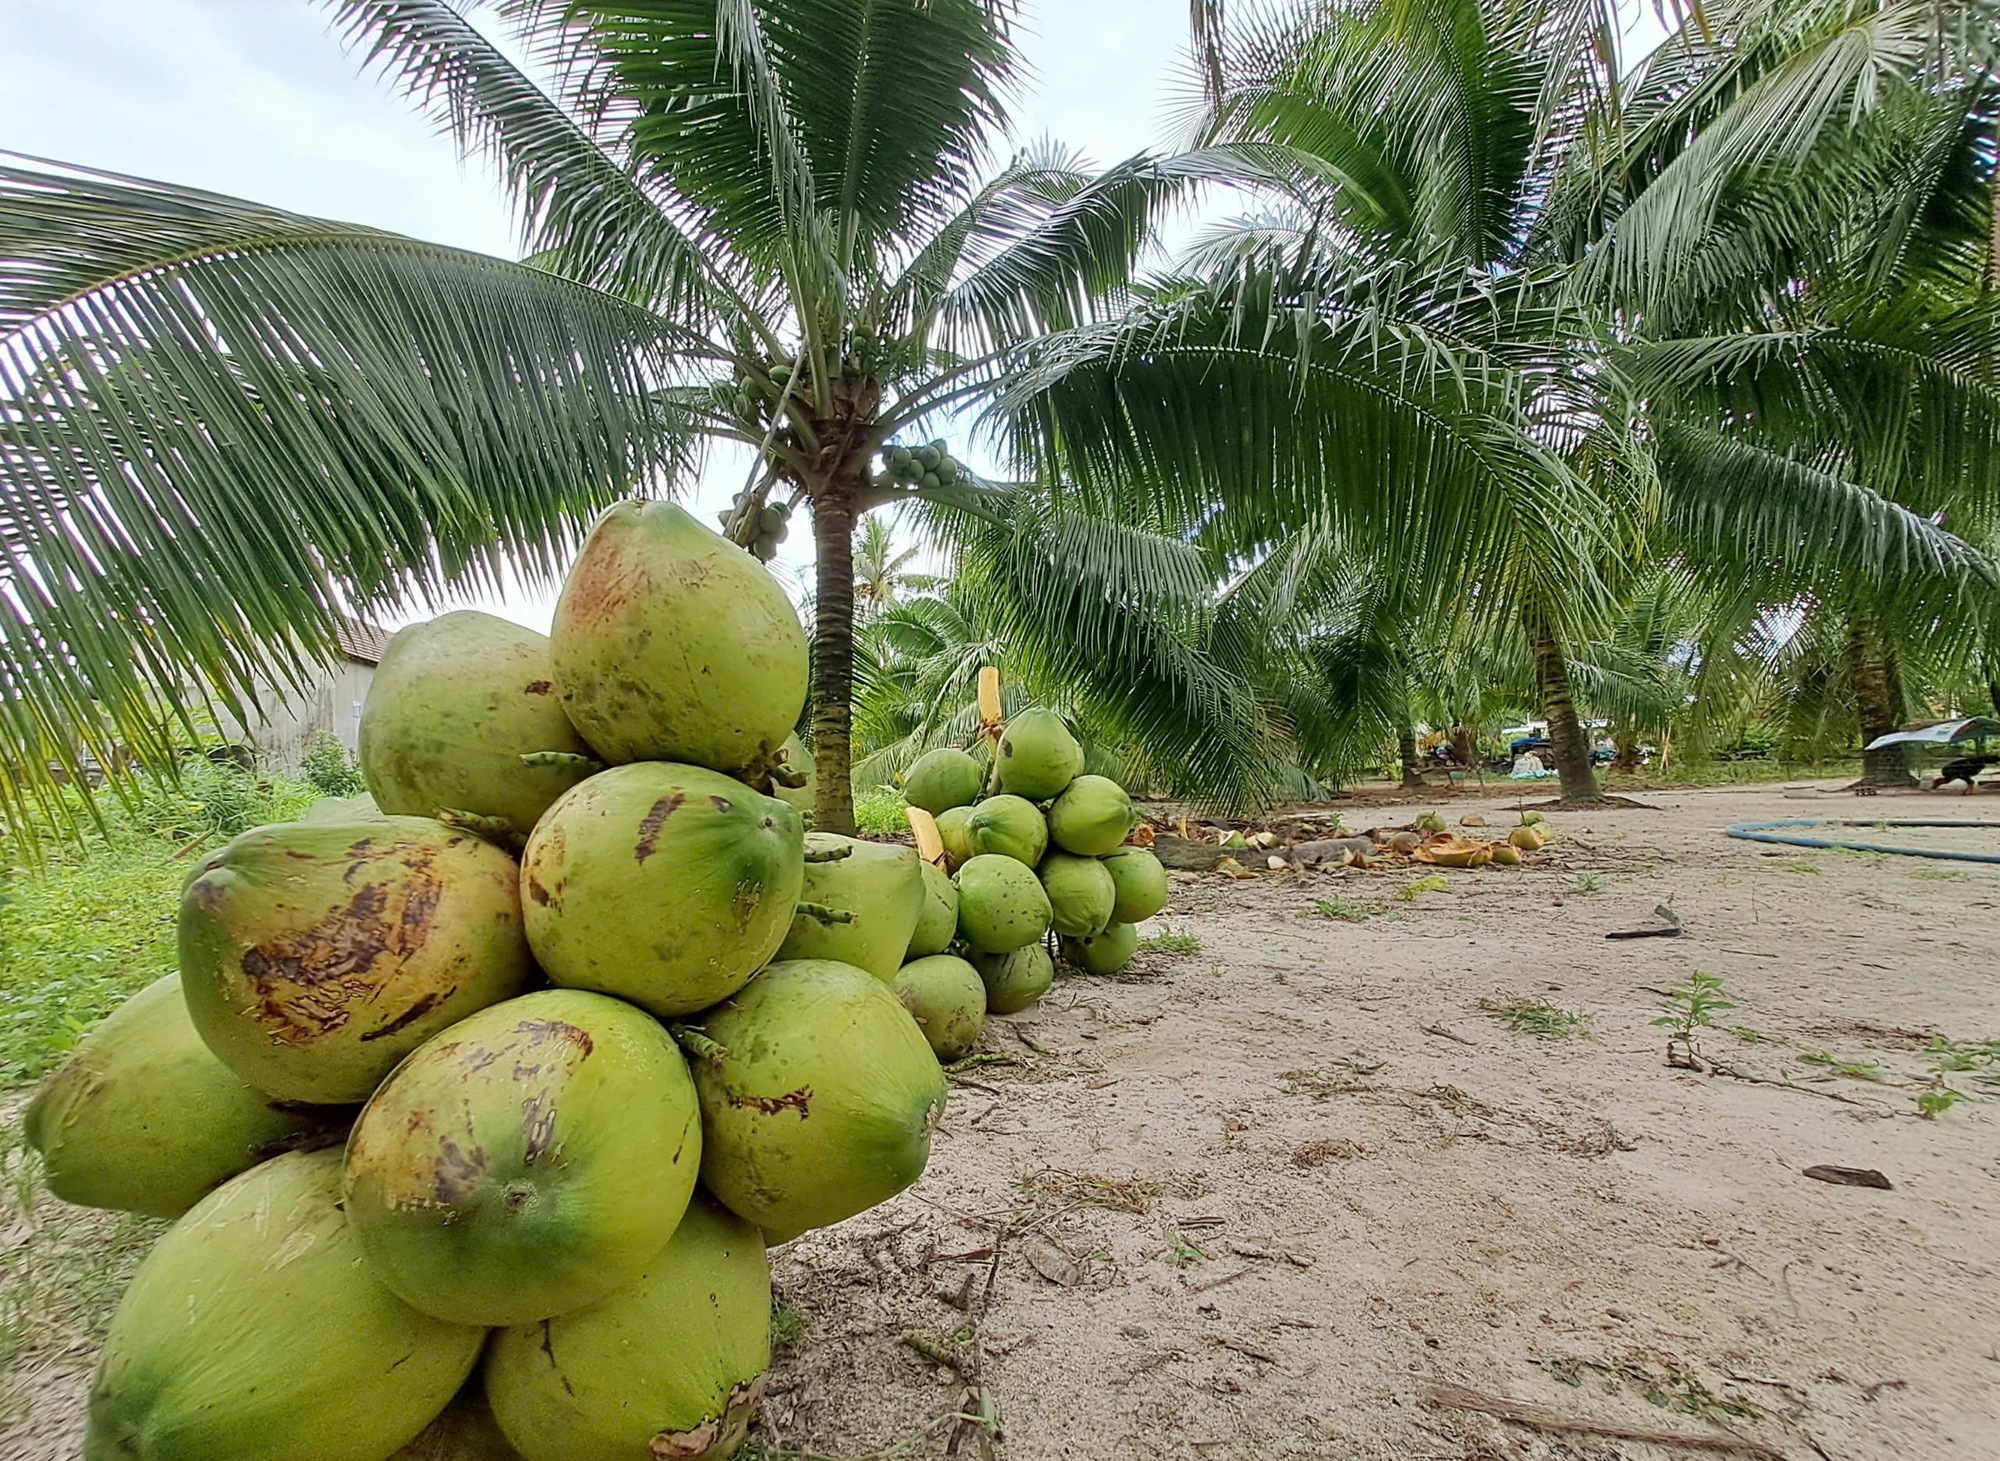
582,211
222,426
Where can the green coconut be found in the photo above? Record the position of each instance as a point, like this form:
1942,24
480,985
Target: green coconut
671,1365
937,924
1103,953
956,836
795,756
254,1332
1093,817
942,779
1010,826
1038,756
453,707
360,808
466,1431
314,956
1015,981
946,998
670,643
1140,882
663,884
1002,905
142,1117
880,884
1081,893
527,1161
818,1097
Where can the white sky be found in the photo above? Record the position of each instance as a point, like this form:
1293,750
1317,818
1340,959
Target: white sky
257,98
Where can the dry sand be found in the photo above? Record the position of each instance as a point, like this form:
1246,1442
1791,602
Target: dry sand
1298,1194
1395,1191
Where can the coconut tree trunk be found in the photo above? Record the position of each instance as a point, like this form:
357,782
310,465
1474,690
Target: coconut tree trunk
1406,751
833,663
1571,746
1878,703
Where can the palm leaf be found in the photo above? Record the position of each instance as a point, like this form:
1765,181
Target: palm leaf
222,426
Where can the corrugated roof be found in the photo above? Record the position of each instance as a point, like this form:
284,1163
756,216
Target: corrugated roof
362,641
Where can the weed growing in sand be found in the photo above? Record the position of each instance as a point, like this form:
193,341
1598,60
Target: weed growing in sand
1800,867
1588,883
1435,883
1172,943
1934,1103
1180,1252
1937,874
1858,1070
1692,1010
788,1325
1536,1017
1343,909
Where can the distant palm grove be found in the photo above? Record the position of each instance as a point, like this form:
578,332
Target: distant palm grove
1494,373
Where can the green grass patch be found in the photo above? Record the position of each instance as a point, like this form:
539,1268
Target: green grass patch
879,813
1343,909
1172,943
1536,1017
94,922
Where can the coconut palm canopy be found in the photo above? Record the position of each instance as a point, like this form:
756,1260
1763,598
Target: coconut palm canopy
1480,345
1627,290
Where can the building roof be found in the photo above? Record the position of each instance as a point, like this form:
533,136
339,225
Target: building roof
361,641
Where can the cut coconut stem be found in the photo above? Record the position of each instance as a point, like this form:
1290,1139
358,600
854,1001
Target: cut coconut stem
473,822
825,914
991,726
697,1044
831,854
930,846
561,761
783,775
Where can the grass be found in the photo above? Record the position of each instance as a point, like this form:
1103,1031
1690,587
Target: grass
1435,883
879,813
1588,883
788,1326
1342,909
1858,1070
1536,1017
95,922
1172,943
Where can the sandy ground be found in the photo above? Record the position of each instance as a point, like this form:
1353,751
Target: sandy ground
1297,1194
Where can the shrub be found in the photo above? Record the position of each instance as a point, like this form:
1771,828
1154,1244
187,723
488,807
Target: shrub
327,767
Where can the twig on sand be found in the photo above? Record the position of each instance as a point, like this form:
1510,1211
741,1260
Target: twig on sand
1539,1417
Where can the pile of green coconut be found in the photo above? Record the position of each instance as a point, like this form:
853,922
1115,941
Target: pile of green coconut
478,1101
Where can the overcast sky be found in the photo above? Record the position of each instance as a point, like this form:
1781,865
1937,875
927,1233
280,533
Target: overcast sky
257,98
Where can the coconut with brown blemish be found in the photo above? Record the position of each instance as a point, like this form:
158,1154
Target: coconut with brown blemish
314,956
818,1097
527,1161
663,884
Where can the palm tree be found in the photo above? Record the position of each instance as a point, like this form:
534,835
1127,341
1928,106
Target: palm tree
769,224
1469,207
879,577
